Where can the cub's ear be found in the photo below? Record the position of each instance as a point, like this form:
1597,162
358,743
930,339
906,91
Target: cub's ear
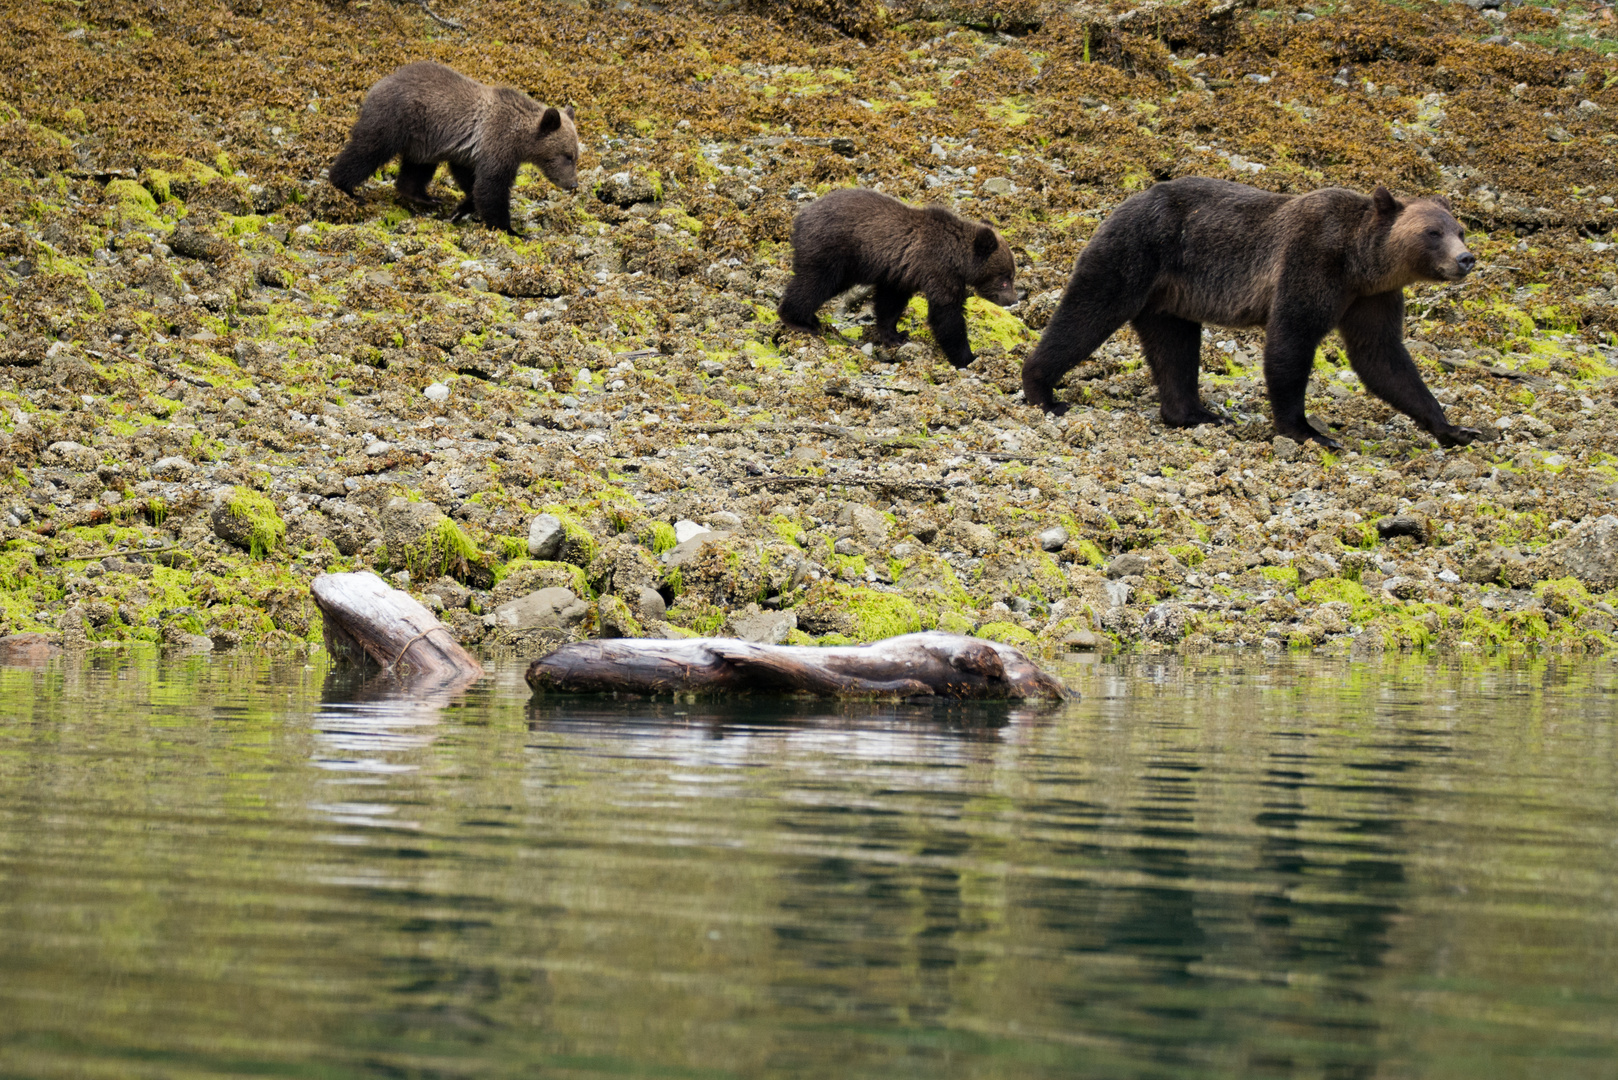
1440,200
569,111
549,122
985,242
1386,204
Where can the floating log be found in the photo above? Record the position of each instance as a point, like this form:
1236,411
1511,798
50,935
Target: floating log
911,666
367,621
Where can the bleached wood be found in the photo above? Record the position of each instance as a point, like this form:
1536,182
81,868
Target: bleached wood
910,666
367,621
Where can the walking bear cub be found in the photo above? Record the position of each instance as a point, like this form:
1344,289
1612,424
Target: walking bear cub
854,236
426,113
1194,251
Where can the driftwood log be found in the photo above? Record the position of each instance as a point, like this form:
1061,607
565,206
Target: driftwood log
912,666
367,621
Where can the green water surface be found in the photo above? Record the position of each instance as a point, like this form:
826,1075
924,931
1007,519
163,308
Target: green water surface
1229,867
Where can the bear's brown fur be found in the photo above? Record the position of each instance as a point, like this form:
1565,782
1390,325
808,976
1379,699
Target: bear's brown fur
1194,251
855,236
426,113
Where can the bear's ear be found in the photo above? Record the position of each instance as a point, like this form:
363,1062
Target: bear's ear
1439,200
549,122
985,243
1386,204
569,111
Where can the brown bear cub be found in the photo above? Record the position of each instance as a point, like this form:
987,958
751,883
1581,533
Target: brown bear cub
1194,251
426,113
854,236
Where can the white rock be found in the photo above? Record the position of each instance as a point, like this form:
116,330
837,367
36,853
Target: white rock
685,529
437,392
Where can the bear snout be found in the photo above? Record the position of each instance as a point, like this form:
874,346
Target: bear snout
1464,262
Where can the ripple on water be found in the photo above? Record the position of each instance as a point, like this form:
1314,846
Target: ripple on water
1218,867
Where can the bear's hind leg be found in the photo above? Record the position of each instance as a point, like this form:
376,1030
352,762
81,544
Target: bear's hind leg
411,185
1173,349
1108,288
1373,331
466,178
364,154
888,305
810,287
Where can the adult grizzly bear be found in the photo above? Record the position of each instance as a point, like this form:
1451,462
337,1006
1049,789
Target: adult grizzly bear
1194,251
426,113
855,236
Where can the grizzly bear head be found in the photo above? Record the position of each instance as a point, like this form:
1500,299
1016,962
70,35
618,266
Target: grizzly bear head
1424,238
553,145
994,268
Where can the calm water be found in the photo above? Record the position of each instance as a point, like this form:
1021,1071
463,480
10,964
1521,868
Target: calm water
1220,868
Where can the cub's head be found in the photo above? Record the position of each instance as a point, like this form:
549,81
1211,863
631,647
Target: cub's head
1424,237
553,145
994,268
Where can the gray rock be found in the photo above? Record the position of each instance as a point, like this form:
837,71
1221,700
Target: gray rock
171,468
1285,449
195,244
409,530
1053,538
650,603
546,609
627,189
763,627
871,526
1083,640
1589,553
969,535
1404,524
352,527
1315,565
724,519
683,553
545,537
1126,565
1117,592
73,455
999,185
1166,622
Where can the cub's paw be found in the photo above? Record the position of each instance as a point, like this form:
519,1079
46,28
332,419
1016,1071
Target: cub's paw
1459,436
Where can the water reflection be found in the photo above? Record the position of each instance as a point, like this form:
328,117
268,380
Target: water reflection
1210,868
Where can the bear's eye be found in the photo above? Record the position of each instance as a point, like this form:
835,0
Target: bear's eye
1435,232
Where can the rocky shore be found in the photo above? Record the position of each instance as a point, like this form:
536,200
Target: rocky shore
220,378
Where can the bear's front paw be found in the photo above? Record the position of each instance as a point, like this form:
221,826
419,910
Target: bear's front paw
1196,418
1048,404
1458,436
892,338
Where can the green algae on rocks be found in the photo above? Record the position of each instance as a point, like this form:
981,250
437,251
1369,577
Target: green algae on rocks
191,321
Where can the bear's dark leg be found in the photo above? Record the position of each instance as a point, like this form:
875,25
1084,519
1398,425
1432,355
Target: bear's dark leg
1373,331
1108,288
365,153
492,195
1296,326
811,286
947,320
466,178
1173,348
888,305
414,176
